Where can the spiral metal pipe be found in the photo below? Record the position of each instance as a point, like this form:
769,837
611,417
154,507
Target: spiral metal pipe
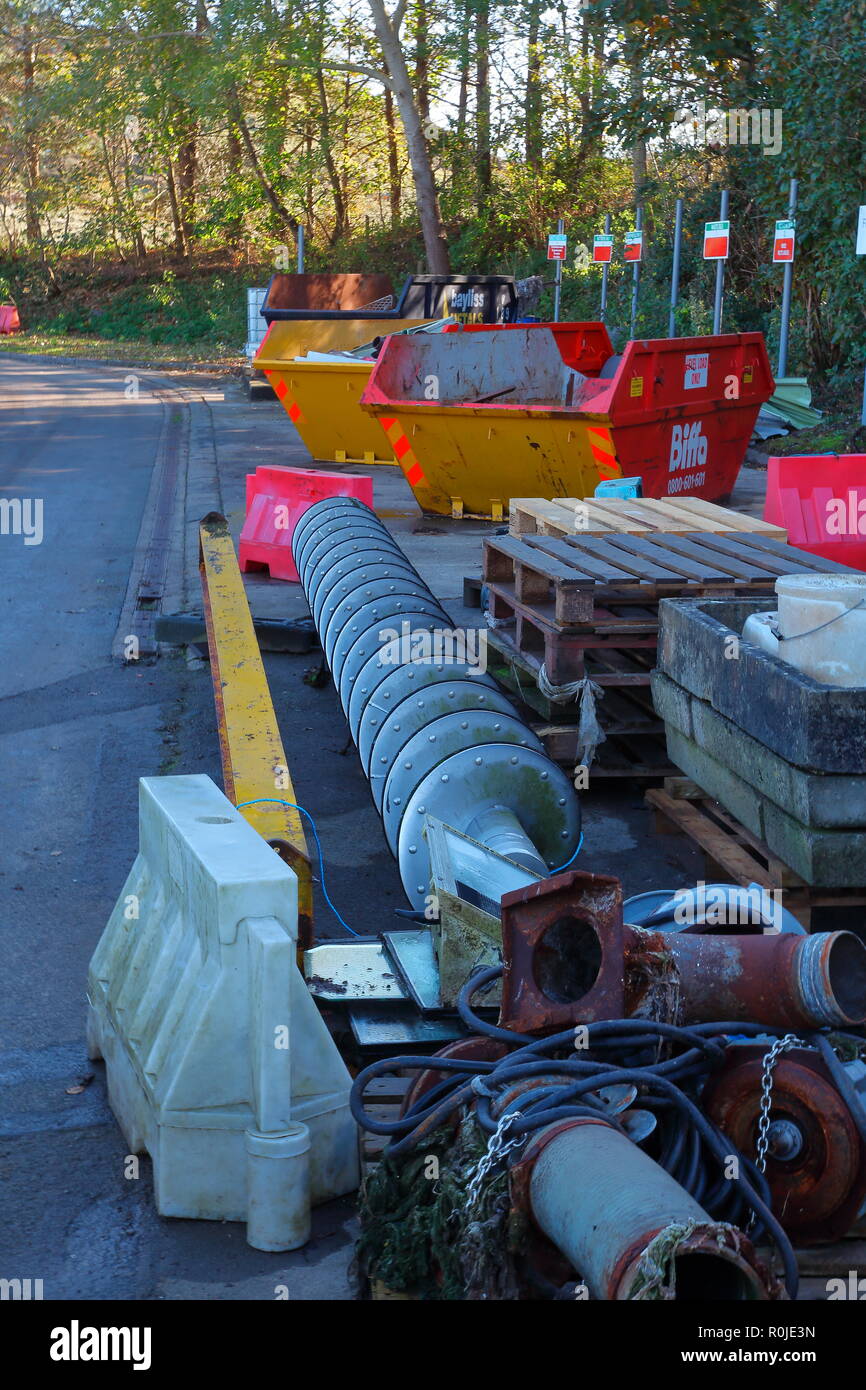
434,733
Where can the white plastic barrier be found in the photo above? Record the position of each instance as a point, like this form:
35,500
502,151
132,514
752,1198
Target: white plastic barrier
219,1064
256,326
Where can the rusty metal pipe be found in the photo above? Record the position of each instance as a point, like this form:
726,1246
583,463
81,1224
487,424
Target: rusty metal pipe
783,981
602,1202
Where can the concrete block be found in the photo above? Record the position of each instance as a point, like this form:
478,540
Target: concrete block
217,1058
825,858
827,800
814,726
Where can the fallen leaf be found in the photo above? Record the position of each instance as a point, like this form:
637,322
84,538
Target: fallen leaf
82,1085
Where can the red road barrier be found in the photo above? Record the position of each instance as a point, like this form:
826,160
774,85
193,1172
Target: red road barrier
820,499
9,320
276,500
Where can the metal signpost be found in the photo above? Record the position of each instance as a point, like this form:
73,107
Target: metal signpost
300,249
634,252
783,252
675,269
602,250
556,248
717,236
861,251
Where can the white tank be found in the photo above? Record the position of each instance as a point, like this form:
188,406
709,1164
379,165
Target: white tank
820,627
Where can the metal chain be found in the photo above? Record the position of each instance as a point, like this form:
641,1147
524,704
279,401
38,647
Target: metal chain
496,1151
771,1057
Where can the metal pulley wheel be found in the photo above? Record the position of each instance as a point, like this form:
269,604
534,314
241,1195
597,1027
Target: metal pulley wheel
816,1160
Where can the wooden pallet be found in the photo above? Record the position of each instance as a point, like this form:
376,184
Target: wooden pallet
565,598
818,1264
594,516
609,667
634,746
383,1097
732,851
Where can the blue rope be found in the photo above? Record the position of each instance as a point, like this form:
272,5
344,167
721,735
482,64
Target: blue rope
564,866
277,801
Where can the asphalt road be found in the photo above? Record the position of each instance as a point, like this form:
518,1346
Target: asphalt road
76,732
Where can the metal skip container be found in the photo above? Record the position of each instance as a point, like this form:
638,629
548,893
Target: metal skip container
478,417
322,398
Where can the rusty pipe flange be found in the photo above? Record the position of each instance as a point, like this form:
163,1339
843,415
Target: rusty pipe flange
472,1049
563,945
816,1166
625,1225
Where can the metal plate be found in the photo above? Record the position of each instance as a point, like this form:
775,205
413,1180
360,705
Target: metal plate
360,638
401,1028
328,548
313,520
528,783
359,681
347,544
369,574
430,746
372,674
342,971
324,507
401,587
347,561
421,709
415,960
469,870
312,547
404,682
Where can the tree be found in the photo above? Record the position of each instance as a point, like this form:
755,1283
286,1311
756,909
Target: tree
387,28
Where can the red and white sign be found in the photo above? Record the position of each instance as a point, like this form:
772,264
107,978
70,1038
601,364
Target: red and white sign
602,248
717,236
783,241
697,366
556,246
634,246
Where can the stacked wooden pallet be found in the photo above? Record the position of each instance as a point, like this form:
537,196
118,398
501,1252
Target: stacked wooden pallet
593,516
731,852
584,602
589,604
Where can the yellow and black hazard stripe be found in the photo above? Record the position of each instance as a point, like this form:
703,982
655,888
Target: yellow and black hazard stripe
604,453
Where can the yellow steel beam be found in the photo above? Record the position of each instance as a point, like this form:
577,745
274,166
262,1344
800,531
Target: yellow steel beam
254,763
